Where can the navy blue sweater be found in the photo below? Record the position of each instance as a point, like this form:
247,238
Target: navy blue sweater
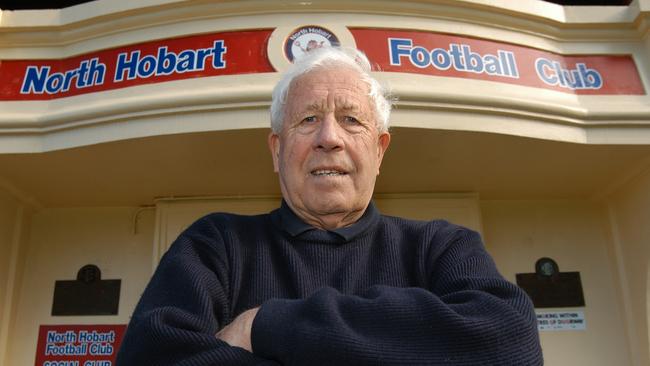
385,291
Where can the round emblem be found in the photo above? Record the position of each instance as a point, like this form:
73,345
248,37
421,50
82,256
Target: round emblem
307,38
546,267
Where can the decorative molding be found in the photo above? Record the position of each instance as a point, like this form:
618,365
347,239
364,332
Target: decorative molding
241,101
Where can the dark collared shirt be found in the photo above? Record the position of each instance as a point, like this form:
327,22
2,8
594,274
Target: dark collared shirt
286,219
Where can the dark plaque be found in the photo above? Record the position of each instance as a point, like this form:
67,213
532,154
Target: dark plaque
550,288
87,295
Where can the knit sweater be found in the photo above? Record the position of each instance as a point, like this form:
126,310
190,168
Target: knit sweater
384,291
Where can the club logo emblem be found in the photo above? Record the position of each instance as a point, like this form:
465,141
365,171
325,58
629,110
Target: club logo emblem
307,38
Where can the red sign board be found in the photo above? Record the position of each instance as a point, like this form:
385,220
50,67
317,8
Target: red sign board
447,55
225,53
242,52
78,345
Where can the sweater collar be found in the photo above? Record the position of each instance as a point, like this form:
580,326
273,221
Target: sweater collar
288,221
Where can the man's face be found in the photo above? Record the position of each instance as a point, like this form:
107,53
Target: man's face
329,150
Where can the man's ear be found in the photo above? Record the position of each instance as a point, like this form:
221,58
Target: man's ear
382,146
274,147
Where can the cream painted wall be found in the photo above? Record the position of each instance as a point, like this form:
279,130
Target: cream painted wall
576,235
629,209
14,226
62,241
8,214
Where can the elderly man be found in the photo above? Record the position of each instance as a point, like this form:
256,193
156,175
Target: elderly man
325,279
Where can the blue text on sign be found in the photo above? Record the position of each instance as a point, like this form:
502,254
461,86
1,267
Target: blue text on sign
457,56
554,74
168,62
39,79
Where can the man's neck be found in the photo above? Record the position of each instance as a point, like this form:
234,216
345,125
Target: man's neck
329,220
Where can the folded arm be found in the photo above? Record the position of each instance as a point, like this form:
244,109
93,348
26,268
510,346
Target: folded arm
468,315
183,307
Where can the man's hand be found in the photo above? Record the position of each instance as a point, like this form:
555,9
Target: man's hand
238,333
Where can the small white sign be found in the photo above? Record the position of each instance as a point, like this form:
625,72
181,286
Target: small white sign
561,320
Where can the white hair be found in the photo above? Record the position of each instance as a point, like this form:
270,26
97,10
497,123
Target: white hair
327,57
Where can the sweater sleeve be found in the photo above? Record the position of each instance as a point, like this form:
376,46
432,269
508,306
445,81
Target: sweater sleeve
184,306
466,315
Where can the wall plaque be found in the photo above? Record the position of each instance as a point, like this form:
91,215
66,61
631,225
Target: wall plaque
87,295
549,288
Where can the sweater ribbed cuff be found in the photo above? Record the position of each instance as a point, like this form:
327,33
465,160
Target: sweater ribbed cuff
273,329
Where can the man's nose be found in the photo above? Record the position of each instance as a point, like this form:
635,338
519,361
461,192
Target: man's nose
329,134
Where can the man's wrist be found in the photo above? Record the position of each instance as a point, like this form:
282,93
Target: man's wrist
238,332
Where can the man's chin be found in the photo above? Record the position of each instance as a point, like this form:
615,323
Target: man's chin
333,207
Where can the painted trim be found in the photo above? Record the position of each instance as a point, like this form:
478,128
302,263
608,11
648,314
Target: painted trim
12,288
241,101
634,348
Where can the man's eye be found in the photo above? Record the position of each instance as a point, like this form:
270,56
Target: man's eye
310,119
350,120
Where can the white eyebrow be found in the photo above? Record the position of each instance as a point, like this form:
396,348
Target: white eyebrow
315,106
349,107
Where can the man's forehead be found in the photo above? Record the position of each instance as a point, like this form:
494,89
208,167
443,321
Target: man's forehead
342,103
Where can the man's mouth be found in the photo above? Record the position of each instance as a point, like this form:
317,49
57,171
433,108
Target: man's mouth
327,172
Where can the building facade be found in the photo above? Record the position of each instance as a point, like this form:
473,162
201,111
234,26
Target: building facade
122,122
